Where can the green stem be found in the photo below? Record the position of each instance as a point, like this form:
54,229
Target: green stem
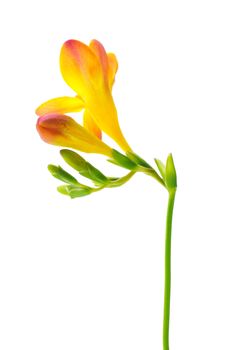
116,182
167,284
151,172
121,180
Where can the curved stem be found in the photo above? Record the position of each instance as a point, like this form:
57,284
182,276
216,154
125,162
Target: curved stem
167,284
151,172
121,180
115,182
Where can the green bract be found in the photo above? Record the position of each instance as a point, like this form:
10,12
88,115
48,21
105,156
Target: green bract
122,160
138,160
161,168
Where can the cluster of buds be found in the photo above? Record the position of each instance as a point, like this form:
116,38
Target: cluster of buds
90,72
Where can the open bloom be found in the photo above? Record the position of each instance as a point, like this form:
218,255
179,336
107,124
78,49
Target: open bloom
90,72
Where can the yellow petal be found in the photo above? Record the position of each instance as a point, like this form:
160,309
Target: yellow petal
61,130
80,67
60,105
100,53
90,125
104,113
108,62
112,68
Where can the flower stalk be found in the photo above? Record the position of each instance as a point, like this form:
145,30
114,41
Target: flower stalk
167,276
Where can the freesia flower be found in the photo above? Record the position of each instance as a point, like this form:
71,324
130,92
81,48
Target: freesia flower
90,72
61,130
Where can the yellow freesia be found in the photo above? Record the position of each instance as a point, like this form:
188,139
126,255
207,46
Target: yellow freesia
90,72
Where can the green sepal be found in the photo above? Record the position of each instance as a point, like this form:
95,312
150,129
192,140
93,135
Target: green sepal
138,160
83,167
161,167
122,160
171,179
60,174
74,191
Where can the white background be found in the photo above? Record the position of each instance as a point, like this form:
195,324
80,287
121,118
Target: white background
88,273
